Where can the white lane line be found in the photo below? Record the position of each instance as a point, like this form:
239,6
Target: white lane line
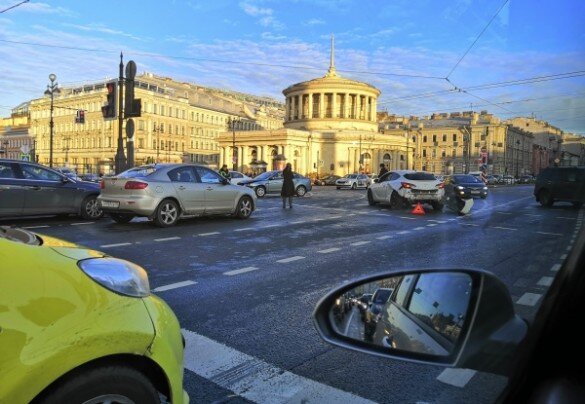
240,271
255,379
564,257
530,214
549,234
436,221
403,232
383,237
349,321
213,233
406,217
244,229
351,214
529,299
419,228
431,224
329,250
456,377
335,217
269,226
299,222
380,214
503,228
565,217
36,227
555,267
114,245
545,281
173,286
81,223
469,224
569,248
291,259
358,243
167,238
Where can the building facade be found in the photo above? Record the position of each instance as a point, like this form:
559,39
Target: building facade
15,140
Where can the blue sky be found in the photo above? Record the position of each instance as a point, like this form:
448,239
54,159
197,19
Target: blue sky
263,46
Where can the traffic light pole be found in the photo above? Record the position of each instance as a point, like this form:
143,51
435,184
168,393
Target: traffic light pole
120,157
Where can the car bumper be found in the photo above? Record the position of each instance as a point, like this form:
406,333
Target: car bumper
422,197
137,205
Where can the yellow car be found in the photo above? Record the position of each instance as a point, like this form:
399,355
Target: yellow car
79,326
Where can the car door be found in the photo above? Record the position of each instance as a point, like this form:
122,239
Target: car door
189,190
12,190
47,191
389,186
219,197
275,183
362,180
567,186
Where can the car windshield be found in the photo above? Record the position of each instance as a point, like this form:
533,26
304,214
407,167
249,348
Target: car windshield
466,179
264,176
420,176
381,296
138,172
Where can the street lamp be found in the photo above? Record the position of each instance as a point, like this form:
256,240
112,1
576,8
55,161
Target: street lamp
232,125
517,156
157,129
51,90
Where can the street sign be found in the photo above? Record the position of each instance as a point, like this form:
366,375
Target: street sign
25,156
25,148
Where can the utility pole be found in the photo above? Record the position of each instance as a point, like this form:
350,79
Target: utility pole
120,157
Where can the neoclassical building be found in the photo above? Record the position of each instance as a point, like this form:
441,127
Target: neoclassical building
330,126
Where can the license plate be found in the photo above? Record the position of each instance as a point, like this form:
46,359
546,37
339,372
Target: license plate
475,192
110,204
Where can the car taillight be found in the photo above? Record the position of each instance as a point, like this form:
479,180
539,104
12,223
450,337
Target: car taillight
441,185
407,185
135,185
102,184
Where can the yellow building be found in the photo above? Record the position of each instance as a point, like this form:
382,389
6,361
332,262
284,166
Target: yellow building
179,122
15,139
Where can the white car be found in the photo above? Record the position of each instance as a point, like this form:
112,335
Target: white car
353,181
405,187
236,177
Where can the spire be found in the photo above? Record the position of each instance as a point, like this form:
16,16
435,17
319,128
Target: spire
331,72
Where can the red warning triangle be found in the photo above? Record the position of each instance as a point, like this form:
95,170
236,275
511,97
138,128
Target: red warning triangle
418,210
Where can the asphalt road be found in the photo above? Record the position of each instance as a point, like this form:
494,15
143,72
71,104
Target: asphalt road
244,291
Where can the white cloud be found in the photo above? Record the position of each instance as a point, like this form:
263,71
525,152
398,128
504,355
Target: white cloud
265,16
104,30
272,37
314,21
36,8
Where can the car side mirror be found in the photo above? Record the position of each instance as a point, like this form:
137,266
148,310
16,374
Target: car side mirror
225,181
450,317
376,180
65,180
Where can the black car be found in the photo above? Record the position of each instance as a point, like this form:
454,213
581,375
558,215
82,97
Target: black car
32,189
560,184
327,180
373,313
466,185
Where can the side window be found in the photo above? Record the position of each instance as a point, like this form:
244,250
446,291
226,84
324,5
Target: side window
295,175
385,177
403,288
207,176
277,176
571,175
38,173
394,177
440,301
182,174
234,174
6,171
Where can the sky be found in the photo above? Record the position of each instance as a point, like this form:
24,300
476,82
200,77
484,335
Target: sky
511,58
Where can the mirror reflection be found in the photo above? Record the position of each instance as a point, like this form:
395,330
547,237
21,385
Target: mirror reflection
420,312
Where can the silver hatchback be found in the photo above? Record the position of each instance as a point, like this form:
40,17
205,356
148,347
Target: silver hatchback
166,192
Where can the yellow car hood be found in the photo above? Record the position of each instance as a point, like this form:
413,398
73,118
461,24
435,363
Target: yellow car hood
70,250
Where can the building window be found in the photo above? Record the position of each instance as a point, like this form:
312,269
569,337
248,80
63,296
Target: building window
434,138
443,153
444,138
454,137
424,152
424,138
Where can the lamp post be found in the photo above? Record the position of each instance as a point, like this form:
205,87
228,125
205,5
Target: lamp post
156,129
232,125
52,89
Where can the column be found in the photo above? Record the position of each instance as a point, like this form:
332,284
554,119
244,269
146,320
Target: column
354,98
301,106
374,109
287,109
334,113
310,106
222,156
245,156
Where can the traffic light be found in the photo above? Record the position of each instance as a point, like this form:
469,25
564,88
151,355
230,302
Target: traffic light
109,110
80,116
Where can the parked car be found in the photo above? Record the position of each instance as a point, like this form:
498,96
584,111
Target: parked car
90,177
32,189
467,185
327,180
526,179
78,326
372,178
405,187
508,179
373,312
270,182
236,177
166,192
494,179
69,173
353,181
560,184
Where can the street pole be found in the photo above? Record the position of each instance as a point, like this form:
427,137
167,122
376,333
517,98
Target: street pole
360,160
517,156
120,157
51,90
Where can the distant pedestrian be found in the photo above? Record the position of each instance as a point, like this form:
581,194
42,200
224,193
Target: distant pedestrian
288,186
224,172
383,170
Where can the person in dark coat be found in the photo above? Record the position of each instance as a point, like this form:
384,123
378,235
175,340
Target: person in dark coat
383,170
288,186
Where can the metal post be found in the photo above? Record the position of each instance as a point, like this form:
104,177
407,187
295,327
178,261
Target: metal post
51,90
120,157
360,156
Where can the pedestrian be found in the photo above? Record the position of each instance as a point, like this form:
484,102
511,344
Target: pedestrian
288,186
383,170
224,172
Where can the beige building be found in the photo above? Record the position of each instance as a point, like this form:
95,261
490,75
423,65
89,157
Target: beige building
15,139
179,122
330,126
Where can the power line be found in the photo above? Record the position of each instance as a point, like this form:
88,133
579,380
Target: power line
14,6
484,100
477,39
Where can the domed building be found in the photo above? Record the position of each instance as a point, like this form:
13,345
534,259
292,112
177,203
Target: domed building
330,127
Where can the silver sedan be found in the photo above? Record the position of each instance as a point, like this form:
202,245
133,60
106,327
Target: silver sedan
166,192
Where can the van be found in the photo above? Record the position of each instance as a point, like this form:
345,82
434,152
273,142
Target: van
560,184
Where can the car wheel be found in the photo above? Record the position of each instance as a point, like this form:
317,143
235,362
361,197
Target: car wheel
90,208
244,209
301,190
545,198
353,186
112,384
438,206
167,213
260,192
121,217
395,202
371,201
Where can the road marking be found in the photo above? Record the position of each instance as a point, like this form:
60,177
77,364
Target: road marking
380,214
240,271
269,226
114,245
530,214
469,224
419,228
335,217
565,217
406,217
346,332
403,232
436,221
529,299
569,248
36,227
298,222
549,234
329,250
358,243
173,286
556,267
545,281
167,238
564,257
431,224
456,377
244,229
383,237
504,213
213,233
291,259
351,214
503,228
81,223
254,379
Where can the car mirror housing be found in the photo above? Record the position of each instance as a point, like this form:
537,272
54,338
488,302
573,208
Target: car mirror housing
225,181
450,317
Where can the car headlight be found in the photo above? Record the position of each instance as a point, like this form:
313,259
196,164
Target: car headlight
485,188
117,275
459,187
